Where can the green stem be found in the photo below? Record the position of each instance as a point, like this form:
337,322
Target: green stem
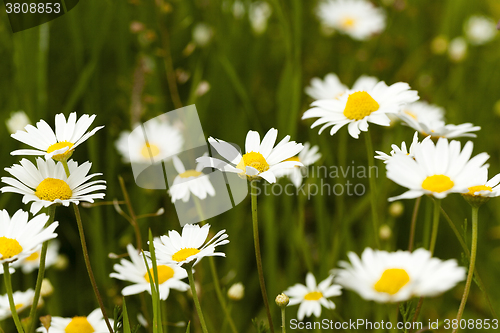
435,224
472,264
41,272
258,257
87,258
215,276
413,223
467,253
283,321
8,287
189,270
89,268
373,189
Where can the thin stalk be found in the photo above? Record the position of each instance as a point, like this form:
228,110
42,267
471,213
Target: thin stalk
435,228
413,224
189,270
133,217
8,287
283,321
41,272
373,190
215,276
472,264
467,253
87,258
435,224
89,267
258,257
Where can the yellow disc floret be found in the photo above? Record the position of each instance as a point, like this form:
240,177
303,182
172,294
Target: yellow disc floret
60,145
478,188
190,173
254,160
347,22
164,273
79,325
51,189
150,150
34,256
9,247
437,183
183,254
392,281
359,105
313,296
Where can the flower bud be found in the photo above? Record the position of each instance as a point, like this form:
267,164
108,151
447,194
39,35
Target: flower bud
236,292
282,300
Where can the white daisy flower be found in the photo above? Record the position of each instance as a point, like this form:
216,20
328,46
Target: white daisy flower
163,141
93,323
398,276
435,170
31,263
480,29
357,108
191,245
17,122
428,119
135,271
457,49
59,145
399,151
312,296
20,237
47,183
483,187
332,88
261,159
307,156
22,301
359,19
190,181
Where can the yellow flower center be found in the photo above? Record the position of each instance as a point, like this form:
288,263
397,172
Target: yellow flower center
183,254
51,189
79,325
437,183
18,306
293,159
254,160
9,247
164,273
34,256
392,281
313,296
59,145
190,173
478,188
347,22
359,105
150,150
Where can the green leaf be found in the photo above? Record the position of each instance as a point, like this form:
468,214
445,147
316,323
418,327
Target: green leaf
126,322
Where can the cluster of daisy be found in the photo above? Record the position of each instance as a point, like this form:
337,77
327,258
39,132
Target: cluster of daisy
51,181
381,276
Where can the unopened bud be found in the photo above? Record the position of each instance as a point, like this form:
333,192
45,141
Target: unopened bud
282,300
236,292
385,232
47,288
61,262
396,209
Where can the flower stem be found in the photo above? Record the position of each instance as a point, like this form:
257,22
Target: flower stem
41,273
413,223
189,270
435,224
258,257
215,276
89,268
8,287
472,264
373,189
283,321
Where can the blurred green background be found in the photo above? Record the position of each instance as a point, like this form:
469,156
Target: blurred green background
125,60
